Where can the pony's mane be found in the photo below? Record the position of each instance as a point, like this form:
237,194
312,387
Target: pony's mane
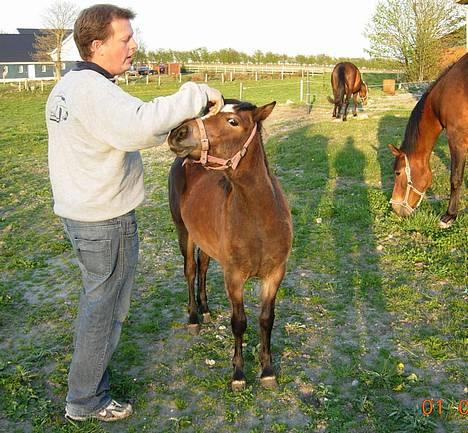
412,128
240,105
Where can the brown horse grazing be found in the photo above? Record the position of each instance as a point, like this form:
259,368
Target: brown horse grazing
443,105
224,199
346,81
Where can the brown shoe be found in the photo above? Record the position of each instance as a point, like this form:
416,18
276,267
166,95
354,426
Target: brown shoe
114,411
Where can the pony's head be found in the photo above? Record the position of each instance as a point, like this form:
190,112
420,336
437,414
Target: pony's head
411,182
219,141
364,93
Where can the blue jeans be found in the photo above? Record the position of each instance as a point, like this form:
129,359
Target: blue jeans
107,254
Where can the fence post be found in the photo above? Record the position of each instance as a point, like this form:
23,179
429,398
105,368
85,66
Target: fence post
301,91
256,75
222,78
206,78
241,91
180,77
230,75
309,107
159,80
147,79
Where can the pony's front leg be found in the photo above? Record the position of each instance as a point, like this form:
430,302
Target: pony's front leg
355,104
457,170
203,261
270,286
187,248
235,290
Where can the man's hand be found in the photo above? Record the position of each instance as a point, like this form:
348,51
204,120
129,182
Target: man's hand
215,101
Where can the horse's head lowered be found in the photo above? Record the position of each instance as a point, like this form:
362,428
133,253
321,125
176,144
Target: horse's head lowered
411,182
364,93
219,142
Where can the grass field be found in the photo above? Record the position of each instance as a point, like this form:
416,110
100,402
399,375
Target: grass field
370,318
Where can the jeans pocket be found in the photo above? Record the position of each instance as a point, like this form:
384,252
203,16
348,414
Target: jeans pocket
95,259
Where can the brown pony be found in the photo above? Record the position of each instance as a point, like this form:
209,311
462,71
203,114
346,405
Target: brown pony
346,81
443,105
224,199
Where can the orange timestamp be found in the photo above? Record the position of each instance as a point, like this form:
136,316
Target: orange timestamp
431,406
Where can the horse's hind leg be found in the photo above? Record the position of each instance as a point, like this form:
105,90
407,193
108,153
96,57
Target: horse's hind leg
457,169
235,289
346,105
270,286
355,104
203,261
187,248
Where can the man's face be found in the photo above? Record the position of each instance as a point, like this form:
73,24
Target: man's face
116,52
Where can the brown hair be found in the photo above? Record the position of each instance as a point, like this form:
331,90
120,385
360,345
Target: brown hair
93,23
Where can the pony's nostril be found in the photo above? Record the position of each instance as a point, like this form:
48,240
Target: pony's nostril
181,133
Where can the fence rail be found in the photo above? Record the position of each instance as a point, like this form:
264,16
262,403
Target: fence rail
271,68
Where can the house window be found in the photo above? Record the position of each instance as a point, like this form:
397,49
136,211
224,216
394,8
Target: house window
44,68
63,66
20,69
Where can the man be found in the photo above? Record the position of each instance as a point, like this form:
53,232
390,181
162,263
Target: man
95,131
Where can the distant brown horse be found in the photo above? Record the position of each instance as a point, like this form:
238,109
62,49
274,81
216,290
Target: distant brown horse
225,200
443,105
346,81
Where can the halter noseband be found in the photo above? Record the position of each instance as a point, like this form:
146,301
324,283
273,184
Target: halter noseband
223,164
409,187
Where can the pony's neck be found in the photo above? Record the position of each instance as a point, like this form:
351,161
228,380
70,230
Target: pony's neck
251,175
421,141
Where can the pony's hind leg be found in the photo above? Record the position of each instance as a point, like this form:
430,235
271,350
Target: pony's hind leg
270,286
187,248
235,289
346,105
203,261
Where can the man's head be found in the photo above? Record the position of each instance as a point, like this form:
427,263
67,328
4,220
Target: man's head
103,35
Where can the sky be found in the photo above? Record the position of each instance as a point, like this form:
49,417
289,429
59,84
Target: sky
332,27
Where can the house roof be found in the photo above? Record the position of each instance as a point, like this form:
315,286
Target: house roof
16,48
19,47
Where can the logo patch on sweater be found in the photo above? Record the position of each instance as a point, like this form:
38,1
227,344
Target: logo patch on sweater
58,109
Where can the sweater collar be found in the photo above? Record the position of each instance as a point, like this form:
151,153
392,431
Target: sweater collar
81,66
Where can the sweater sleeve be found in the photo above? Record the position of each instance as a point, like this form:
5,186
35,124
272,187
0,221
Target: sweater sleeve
125,122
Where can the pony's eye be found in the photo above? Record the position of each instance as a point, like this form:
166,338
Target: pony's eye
233,122
397,173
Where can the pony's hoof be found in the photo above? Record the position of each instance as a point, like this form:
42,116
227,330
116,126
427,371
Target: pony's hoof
445,225
446,221
206,317
193,328
238,385
269,382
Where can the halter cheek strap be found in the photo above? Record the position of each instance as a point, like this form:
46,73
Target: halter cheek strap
409,187
222,164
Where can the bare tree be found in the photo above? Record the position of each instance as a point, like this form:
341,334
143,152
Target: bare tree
411,31
58,19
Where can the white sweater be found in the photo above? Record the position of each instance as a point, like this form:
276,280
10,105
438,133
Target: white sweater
95,131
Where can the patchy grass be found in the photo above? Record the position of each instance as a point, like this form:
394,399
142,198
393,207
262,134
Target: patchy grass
370,318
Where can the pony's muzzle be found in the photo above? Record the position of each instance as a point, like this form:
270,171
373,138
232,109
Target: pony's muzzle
401,210
179,140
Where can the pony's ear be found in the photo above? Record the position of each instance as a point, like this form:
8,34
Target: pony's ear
394,150
261,113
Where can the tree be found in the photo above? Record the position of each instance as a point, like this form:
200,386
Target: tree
58,19
411,31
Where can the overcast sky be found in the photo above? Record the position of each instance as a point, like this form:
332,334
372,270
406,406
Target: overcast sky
333,27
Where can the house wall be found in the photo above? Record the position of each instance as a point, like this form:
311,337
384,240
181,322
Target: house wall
15,74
